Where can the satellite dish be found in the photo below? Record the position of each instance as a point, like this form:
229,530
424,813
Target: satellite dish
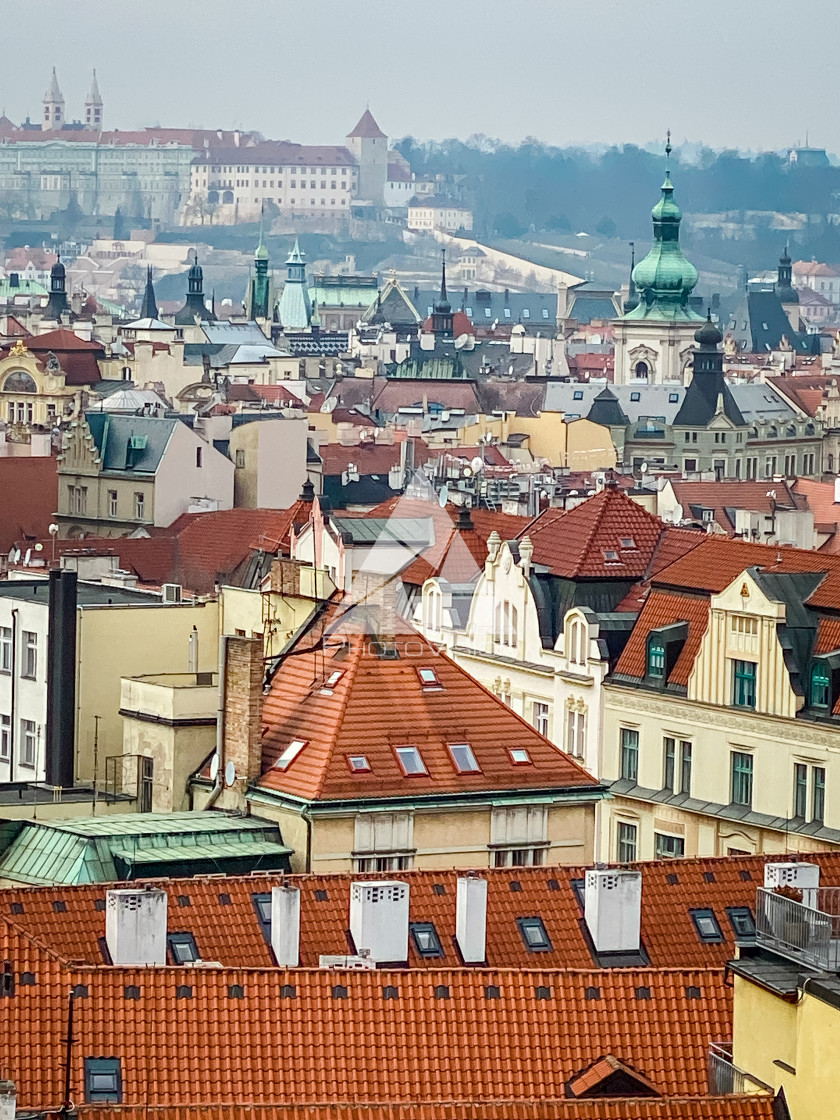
214,767
477,464
329,405
230,773
443,497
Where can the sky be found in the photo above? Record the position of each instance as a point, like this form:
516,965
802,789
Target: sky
563,71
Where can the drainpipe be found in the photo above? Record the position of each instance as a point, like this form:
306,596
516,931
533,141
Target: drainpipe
13,715
220,723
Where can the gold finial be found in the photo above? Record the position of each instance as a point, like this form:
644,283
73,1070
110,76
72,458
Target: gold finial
19,348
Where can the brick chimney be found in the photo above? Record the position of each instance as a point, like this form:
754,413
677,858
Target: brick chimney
244,674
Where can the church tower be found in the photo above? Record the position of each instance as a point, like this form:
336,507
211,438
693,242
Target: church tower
53,106
259,287
194,309
294,309
57,304
93,107
442,319
654,338
369,145
149,308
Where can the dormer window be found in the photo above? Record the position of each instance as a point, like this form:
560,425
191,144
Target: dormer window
656,658
664,646
820,685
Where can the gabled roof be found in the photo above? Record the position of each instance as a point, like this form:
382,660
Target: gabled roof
379,704
228,929
367,128
591,540
663,608
728,495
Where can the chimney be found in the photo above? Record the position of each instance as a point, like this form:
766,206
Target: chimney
379,919
285,926
8,1100
612,909
192,655
244,674
135,926
61,679
471,919
804,876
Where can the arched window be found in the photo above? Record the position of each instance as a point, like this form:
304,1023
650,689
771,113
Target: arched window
641,370
227,197
213,197
20,382
573,642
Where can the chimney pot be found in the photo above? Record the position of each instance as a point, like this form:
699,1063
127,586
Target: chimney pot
135,926
379,919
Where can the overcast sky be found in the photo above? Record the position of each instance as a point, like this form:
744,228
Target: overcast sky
730,73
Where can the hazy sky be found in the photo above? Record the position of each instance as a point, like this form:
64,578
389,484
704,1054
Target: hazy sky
737,73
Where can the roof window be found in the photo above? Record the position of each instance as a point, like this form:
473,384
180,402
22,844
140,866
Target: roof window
519,756
103,1081
426,941
463,758
707,926
358,763
410,760
742,921
441,991
610,554
635,396
236,991
131,991
182,948
290,754
541,992
262,905
627,542
429,678
577,395
533,933
331,681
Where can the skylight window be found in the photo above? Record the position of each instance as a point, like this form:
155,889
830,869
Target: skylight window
410,760
429,678
610,554
331,681
742,921
706,925
290,754
463,758
534,935
358,763
673,398
519,756
577,395
627,542
426,941
103,1081
635,396
182,948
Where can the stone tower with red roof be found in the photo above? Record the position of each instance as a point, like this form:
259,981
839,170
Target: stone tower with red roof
369,145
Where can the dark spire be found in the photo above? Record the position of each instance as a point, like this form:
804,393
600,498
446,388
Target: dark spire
443,296
57,304
442,319
194,307
632,298
784,284
307,492
708,386
149,309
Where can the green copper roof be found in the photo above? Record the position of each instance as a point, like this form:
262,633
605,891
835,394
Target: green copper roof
108,849
665,279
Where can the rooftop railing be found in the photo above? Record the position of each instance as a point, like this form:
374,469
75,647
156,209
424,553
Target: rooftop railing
807,932
725,1079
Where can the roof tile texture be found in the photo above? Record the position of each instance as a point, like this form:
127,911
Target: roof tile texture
661,609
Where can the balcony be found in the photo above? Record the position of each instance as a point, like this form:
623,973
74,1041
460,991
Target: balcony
725,1079
807,932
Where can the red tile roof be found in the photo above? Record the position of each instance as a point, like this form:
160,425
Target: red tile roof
278,395
581,542
661,609
76,356
28,498
820,499
670,890
367,128
734,494
753,1107
380,704
317,1036
369,458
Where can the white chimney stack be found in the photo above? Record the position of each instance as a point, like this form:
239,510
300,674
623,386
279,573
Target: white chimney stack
8,1100
285,926
379,919
837,489
804,876
613,910
471,919
135,926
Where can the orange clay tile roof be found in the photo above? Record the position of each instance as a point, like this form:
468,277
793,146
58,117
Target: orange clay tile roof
579,544
820,498
380,704
661,608
220,913
732,494
753,1107
601,1071
368,458
193,1035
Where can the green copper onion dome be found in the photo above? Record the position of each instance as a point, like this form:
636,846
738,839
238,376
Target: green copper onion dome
665,279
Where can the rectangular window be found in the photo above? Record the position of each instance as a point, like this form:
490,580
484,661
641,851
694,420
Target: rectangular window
576,732
519,857
103,1081
463,758
668,847
5,737
669,768
112,503
198,452
818,794
626,851
425,938
30,655
240,459
800,790
534,935
182,947
139,505
685,768
743,692
742,778
28,742
629,754
540,717
410,760
6,649
820,686
656,659
146,784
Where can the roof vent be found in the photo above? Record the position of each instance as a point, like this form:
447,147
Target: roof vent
804,876
613,910
135,926
379,919
285,926
471,919
353,963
